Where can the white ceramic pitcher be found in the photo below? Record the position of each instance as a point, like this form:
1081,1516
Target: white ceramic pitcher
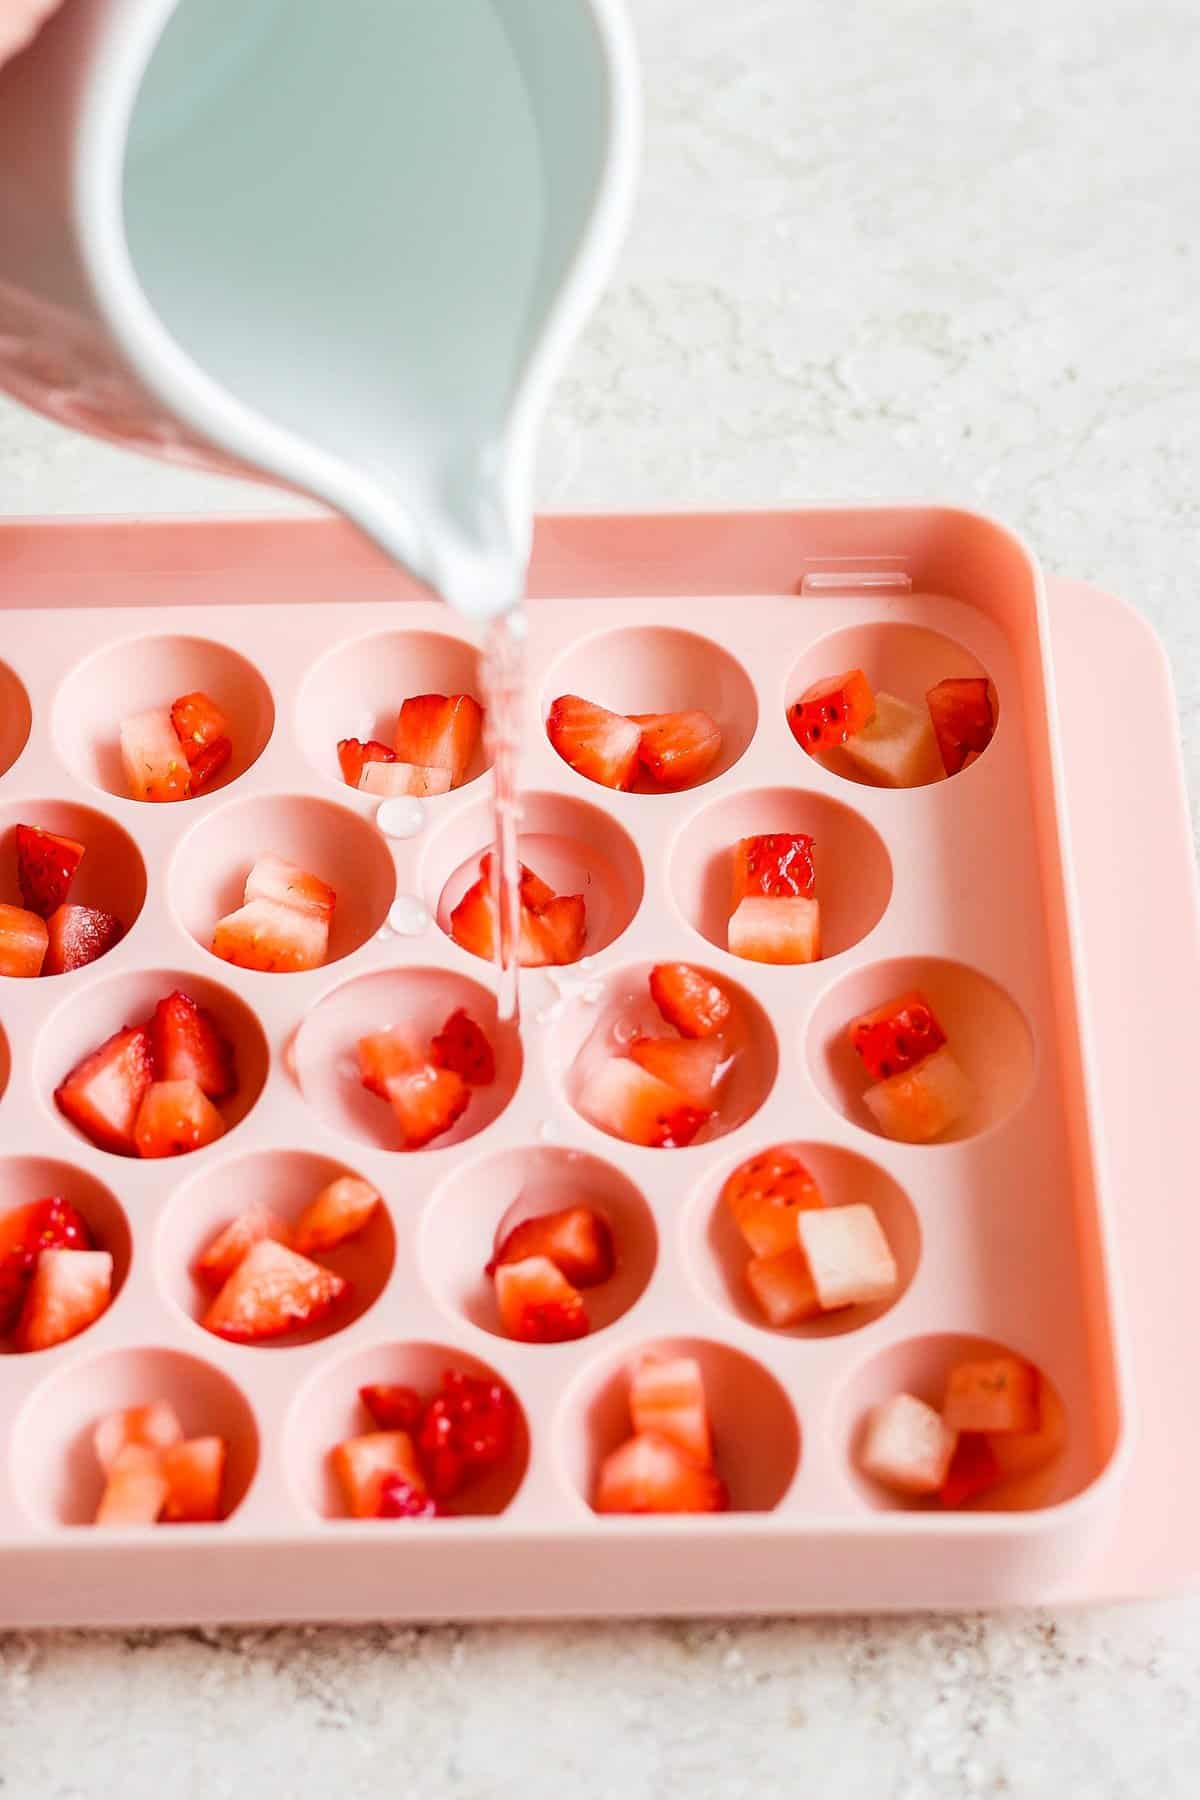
343,243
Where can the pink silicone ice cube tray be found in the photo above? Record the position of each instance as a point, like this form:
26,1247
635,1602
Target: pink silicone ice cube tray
970,887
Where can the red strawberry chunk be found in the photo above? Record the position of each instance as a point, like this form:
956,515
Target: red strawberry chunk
392,1406
399,1499
765,1194
537,1303
783,1286
102,1094
461,1045
276,940
557,932
439,731
363,1464
193,1472
156,768
384,1055
601,745
650,1474
77,936
831,711
678,748
340,1211
778,865
535,893
552,933
632,1104
49,1224
469,1427
46,867
577,1240
209,763
354,755
136,1490
233,1244
974,1469
666,1396
690,1065
689,999
427,1101
68,1292
24,941
897,1035
199,724
150,1427
963,720
175,1118
287,884
188,1046
272,1291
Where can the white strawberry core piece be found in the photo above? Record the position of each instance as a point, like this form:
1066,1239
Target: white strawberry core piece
392,780
923,1102
897,748
907,1446
848,1254
786,929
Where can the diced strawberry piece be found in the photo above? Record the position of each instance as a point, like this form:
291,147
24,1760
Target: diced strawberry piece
68,1292
535,893
188,1045
832,710
233,1244
782,1285
897,1035
777,865
921,1103
537,1303
391,780
136,1490
427,1101
689,999
462,1046
176,1117
399,1499
666,1397
473,922
362,1464
678,748
199,724
632,1104
776,931
552,935
599,744
340,1211
962,718
690,1065
193,1472
151,1427
392,1406
469,1427
272,1291
209,763
576,1240
353,755
103,1094
848,1254
24,941
383,1055
78,935
973,1470
993,1394
276,940
46,867
287,884
156,768
650,1474
897,748
439,731
907,1446
49,1224
765,1194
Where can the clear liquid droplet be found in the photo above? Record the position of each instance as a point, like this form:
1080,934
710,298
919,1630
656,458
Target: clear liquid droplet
401,817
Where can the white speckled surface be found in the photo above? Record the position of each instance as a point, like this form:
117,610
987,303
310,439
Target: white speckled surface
904,249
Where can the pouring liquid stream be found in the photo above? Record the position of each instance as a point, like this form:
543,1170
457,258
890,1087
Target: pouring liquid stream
503,688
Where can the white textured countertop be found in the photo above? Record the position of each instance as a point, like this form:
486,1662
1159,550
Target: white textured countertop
908,249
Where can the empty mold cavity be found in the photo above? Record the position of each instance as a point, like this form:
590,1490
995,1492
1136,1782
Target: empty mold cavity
147,673
571,844
27,1178
657,669
599,1021
920,1366
902,660
755,1431
358,689
283,1181
112,875
985,1031
324,1056
719,1253
328,1411
16,718
74,1031
483,1201
334,843
55,1472
854,871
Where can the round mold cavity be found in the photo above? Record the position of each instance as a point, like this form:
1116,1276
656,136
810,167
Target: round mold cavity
719,1253
902,660
143,673
985,1030
16,718
854,870
112,875
920,1366
54,1467
756,1434
208,874
284,1181
74,1031
328,1411
324,1051
26,1178
657,669
479,1204
357,690
571,844
598,1021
